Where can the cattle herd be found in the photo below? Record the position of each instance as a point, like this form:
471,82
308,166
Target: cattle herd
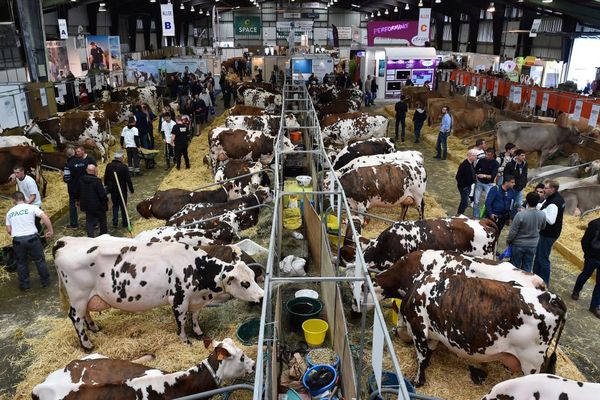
453,290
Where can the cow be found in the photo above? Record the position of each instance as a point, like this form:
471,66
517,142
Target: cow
411,91
241,109
581,199
356,127
337,107
11,141
54,160
589,181
367,147
164,203
322,93
435,105
264,86
103,272
534,137
265,123
259,98
115,111
385,180
27,157
593,168
482,320
197,214
244,185
135,96
99,377
468,236
543,386
239,144
351,94
470,118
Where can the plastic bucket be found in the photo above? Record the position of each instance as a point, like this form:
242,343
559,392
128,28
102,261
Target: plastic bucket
310,362
316,369
302,308
388,379
247,332
395,311
296,136
314,331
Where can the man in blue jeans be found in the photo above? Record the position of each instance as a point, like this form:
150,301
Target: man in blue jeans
465,178
73,171
486,170
554,208
590,243
445,130
525,232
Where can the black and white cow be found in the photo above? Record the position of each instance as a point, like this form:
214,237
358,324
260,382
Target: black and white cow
356,127
543,386
268,124
367,147
103,272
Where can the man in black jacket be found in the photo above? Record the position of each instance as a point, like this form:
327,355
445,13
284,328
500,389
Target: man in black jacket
465,178
117,167
401,109
518,168
590,243
179,140
485,172
92,200
75,168
419,118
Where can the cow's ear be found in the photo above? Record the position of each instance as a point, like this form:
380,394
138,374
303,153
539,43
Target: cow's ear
222,353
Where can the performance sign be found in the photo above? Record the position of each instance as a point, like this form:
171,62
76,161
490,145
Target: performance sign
168,20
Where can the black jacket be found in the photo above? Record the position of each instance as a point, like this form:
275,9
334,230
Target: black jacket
77,166
520,174
91,194
465,176
122,175
401,109
590,242
420,116
181,133
487,167
374,86
553,231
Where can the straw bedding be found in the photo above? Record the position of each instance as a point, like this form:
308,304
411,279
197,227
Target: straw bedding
573,230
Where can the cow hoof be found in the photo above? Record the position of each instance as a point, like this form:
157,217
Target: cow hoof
478,375
88,350
416,383
198,336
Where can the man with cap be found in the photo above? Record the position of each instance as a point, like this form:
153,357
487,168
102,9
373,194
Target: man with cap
120,170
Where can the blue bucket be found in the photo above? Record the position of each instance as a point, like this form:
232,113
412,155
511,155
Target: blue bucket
388,379
325,388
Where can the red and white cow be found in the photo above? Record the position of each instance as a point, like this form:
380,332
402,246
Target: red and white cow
10,141
543,386
263,99
239,144
245,185
369,147
103,272
164,203
268,124
135,96
356,127
99,377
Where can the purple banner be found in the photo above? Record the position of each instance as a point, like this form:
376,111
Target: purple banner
394,32
411,64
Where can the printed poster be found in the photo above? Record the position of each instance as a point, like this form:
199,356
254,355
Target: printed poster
114,46
58,60
98,52
594,115
577,111
533,99
545,100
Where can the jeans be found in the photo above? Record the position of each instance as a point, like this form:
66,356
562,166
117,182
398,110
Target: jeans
541,265
522,257
181,150
589,266
118,205
144,139
401,120
418,126
479,189
518,198
442,145
73,223
91,218
133,159
464,199
168,154
31,246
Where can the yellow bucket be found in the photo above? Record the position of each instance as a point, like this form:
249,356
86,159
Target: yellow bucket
315,331
395,311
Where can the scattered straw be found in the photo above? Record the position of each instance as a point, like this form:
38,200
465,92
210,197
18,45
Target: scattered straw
573,230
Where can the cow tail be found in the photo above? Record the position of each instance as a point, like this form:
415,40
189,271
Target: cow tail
560,308
423,208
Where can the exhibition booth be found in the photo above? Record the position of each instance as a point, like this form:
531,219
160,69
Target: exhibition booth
319,64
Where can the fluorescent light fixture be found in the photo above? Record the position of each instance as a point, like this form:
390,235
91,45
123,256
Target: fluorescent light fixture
420,3
396,9
152,1
438,1
491,8
355,5
192,9
546,1
407,7
387,12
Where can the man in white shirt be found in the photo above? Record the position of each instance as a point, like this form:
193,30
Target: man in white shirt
28,187
166,128
20,225
130,141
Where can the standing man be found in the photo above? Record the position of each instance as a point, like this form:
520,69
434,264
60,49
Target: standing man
485,172
20,225
445,130
368,94
465,179
500,203
481,147
117,167
26,185
419,118
179,140
97,58
504,158
554,208
73,171
518,168
130,141
166,128
93,200
401,110
374,88
525,232
590,243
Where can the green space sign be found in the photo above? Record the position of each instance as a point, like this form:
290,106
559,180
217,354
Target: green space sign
247,25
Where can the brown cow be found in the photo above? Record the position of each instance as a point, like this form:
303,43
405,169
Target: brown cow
164,203
27,157
435,105
243,86
54,160
338,107
473,117
241,109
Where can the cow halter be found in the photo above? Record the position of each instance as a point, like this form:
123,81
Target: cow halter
212,372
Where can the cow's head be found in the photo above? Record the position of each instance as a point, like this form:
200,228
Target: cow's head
256,178
239,282
264,195
233,363
230,218
291,121
144,207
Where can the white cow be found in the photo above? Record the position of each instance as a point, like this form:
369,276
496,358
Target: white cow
543,386
361,127
268,124
10,141
262,99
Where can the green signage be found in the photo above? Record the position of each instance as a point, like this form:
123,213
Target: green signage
247,25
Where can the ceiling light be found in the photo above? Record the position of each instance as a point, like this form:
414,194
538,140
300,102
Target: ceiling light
387,12
372,15
236,7
396,9
520,1
207,13
420,3
327,5
192,9
202,12
181,7
366,16
152,1
438,1
491,8
546,1
378,13
407,7
335,1
355,5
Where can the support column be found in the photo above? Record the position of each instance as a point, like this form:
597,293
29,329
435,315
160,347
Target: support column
132,32
439,30
147,21
33,36
158,23
186,31
92,12
497,25
524,42
569,25
455,25
474,18
178,22
114,21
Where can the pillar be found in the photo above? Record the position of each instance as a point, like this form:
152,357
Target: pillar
474,18
439,30
147,23
569,24
33,36
132,32
524,42
92,13
455,28
497,26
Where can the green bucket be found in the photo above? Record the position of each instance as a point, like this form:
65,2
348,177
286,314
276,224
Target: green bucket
248,331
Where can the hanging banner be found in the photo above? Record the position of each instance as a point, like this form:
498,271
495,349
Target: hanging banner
545,100
58,60
62,29
424,22
496,87
535,27
533,99
577,111
593,121
98,52
246,25
114,46
394,32
168,20
517,91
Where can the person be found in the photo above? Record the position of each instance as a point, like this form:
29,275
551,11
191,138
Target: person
481,146
20,225
227,89
374,88
426,85
97,58
312,79
179,140
259,76
326,79
539,189
273,78
445,130
419,118
83,95
504,158
74,169
554,208
409,82
200,108
165,128
210,87
590,243
525,232
130,141
92,200
150,116
117,167
401,110
500,203
485,172
368,94
205,96
518,168
26,185
465,179
141,123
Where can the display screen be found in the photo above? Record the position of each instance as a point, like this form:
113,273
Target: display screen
392,86
402,74
420,76
301,68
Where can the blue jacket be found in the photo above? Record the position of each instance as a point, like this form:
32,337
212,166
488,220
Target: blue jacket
500,202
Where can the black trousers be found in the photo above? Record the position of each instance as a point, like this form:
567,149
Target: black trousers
401,120
181,150
93,218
